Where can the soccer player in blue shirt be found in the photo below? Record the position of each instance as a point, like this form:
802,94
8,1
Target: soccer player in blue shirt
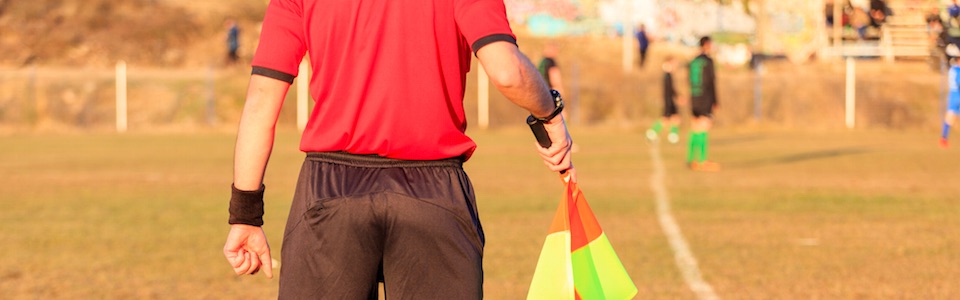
953,101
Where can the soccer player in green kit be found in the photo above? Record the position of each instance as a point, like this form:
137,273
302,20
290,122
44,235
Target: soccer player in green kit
703,101
671,116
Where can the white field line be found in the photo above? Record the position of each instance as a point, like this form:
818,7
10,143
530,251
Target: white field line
686,262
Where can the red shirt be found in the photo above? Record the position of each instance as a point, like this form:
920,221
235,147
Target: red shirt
388,76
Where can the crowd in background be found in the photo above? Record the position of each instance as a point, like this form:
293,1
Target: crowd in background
945,32
861,18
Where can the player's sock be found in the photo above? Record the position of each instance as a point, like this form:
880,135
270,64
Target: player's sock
654,132
694,146
704,141
673,137
657,126
946,131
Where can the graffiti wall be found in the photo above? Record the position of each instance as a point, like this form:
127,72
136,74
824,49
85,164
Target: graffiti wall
687,21
679,20
788,24
790,27
556,17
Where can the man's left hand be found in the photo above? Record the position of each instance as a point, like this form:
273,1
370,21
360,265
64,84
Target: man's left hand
557,157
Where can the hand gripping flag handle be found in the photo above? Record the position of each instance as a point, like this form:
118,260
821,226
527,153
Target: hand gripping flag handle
540,133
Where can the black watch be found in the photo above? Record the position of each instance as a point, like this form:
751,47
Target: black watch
536,124
558,107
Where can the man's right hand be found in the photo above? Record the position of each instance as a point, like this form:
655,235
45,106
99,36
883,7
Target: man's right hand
557,157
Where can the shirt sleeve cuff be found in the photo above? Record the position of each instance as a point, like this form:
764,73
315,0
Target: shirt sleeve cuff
271,73
498,37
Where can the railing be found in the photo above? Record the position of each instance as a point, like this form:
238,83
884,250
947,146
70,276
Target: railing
903,35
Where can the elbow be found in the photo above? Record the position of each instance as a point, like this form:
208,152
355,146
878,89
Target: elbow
506,78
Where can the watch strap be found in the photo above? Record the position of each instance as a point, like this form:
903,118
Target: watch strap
558,107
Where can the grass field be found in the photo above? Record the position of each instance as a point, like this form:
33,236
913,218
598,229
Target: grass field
793,215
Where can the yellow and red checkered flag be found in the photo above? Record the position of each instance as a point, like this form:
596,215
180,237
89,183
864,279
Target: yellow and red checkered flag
577,260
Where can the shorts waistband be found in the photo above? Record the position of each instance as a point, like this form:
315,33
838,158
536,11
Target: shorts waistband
376,161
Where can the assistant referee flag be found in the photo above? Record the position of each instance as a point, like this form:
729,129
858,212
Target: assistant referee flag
577,260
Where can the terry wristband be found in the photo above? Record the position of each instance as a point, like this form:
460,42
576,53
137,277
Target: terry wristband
246,207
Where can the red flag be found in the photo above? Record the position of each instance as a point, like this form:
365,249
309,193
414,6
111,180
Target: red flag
577,260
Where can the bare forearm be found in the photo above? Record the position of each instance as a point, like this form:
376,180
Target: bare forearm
251,155
256,132
516,78
532,94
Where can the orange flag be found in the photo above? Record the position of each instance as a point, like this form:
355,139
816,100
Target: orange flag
577,260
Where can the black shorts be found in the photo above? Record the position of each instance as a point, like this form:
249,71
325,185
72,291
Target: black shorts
669,108
702,111
356,218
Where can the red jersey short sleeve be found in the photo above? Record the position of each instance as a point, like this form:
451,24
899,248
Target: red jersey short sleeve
282,41
388,77
483,21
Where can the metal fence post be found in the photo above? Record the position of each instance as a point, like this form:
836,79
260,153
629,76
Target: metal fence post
758,91
851,89
121,96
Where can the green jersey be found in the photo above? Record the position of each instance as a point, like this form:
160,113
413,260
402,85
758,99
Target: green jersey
703,88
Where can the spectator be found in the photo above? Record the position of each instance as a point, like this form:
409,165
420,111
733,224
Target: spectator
233,42
643,39
937,37
935,29
847,13
859,21
932,16
879,11
828,12
954,11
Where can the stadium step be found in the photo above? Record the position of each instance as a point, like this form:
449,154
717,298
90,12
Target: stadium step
905,32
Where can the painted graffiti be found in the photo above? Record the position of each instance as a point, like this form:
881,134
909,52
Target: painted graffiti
788,24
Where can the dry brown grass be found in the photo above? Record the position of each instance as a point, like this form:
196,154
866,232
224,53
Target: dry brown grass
794,214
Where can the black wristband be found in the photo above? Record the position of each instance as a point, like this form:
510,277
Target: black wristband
246,207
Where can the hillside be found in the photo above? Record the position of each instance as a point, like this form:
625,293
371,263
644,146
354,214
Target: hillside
99,32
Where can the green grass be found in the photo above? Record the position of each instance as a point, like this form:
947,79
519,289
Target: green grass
793,215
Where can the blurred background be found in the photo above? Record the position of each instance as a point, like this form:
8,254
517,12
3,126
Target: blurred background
59,68
118,118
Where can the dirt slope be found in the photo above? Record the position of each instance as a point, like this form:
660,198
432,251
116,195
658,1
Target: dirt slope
99,32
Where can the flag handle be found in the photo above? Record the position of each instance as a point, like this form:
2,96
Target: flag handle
540,133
